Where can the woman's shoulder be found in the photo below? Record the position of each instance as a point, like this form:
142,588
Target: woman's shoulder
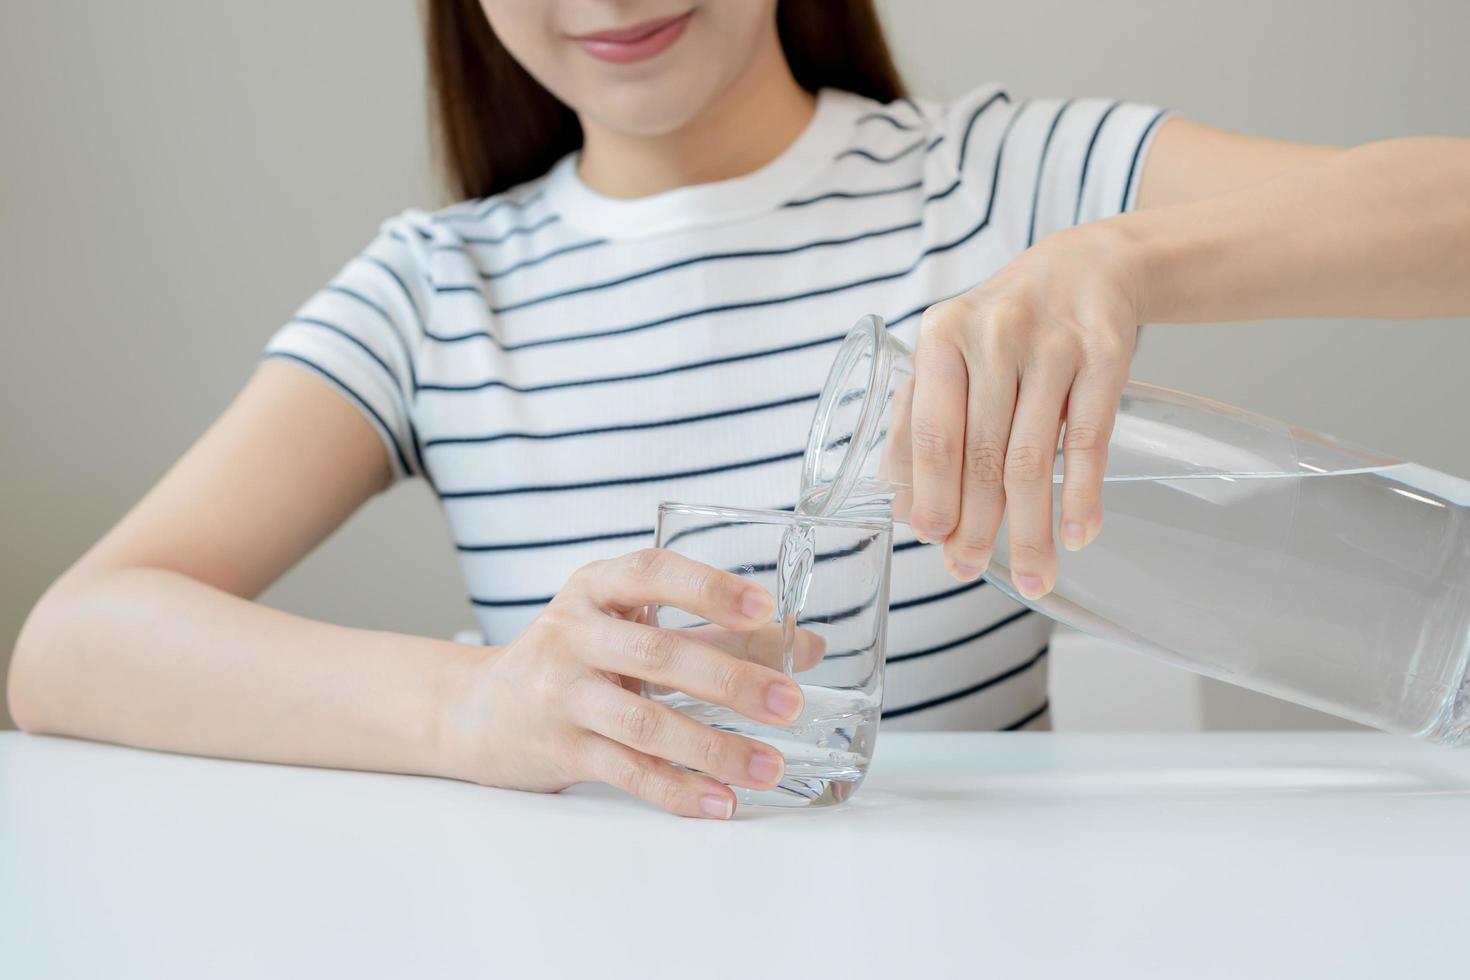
433,243
1038,164
940,115
957,125
943,132
507,208
474,216
988,122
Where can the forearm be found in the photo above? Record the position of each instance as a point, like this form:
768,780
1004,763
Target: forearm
153,658
1378,230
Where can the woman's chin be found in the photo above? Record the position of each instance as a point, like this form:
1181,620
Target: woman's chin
648,113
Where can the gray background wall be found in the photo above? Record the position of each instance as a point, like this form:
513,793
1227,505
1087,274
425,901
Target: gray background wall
177,176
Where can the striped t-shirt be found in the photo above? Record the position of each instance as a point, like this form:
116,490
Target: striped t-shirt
556,362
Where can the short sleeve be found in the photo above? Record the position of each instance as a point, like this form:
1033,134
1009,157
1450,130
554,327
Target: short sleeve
361,333
1041,165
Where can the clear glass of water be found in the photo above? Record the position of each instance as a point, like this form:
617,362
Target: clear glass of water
829,576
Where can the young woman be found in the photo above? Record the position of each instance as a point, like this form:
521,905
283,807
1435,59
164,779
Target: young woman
674,210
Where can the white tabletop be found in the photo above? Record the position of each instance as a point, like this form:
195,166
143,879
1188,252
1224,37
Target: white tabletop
996,855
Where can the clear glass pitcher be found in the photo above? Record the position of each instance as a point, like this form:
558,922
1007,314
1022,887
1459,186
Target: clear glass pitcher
1239,547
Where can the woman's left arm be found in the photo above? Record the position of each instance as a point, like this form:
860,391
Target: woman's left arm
1232,227
1227,227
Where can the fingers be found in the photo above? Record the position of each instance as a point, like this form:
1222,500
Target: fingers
675,790
808,649
677,659
1091,408
987,434
664,733
1029,464
937,429
763,645
896,467
656,576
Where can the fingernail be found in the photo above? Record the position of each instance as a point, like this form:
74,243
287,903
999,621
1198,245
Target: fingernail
783,700
1074,536
1030,586
755,604
766,767
966,573
921,538
719,807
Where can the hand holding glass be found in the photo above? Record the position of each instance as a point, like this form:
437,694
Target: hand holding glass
830,579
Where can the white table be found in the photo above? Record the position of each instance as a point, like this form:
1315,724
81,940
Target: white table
1229,855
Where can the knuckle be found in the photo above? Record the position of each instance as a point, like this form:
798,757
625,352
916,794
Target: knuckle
1026,554
984,465
1083,436
1105,350
653,650
710,751
632,775
930,319
638,723
573,752
934,517
929,440
942,317
1007,313
554,620
1027,466
975,543
589,572
645,564
669,793
728,681
541,632
705,582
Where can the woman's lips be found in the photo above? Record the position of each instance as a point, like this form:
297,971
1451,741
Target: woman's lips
637,43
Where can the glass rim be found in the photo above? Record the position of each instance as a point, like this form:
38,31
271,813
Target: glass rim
766,515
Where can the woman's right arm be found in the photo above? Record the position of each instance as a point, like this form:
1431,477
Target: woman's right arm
152,639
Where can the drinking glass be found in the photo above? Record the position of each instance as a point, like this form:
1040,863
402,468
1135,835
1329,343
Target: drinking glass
829,576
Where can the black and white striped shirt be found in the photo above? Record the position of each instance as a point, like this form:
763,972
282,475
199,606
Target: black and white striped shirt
556,362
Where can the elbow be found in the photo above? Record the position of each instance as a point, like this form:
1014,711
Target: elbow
20,686
20,701
32,687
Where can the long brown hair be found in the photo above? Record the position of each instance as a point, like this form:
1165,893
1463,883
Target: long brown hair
495,126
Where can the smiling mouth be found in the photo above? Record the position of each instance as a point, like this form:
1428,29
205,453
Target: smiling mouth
639,42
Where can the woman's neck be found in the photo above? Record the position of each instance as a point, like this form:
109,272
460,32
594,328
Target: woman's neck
749,125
